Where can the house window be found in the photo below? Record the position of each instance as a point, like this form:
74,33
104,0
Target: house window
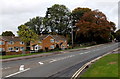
40,47
39,42
1,43
10,42
16,48
36,47
21,42
10,48
21,48
2,49
52,46
51,40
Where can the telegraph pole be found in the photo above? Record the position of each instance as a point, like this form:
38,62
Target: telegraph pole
72,34
71,24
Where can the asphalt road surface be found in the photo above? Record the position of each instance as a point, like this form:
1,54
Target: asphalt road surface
58,65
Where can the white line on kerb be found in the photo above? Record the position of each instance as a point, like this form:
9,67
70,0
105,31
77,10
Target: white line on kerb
17,72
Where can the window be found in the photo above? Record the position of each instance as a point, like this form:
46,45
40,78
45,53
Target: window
10,42
36,47
1,43
21,48
10,48
16,48
39,42
65,41
52,40
2,49
40,47
52,46
21,42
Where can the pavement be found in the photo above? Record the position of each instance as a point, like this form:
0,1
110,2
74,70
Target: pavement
57,65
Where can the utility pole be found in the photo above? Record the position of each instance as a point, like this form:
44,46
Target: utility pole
71,24
72,34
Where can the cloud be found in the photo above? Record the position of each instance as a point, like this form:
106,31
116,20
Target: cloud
16,12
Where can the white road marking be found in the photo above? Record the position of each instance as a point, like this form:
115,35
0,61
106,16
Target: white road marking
81,53
7,68
40,62
52,61
21,68
87,52
17,72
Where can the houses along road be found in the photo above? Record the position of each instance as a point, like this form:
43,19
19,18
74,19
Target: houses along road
66,64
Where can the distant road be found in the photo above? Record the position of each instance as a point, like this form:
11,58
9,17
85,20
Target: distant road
66,64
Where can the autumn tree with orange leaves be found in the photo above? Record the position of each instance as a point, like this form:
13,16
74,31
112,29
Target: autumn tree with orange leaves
94,27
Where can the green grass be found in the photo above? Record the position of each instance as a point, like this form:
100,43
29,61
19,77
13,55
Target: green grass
105,67
14,56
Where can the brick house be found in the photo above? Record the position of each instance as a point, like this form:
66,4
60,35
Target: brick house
11,44
48,42
45,42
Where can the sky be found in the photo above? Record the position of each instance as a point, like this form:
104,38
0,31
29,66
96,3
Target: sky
13,13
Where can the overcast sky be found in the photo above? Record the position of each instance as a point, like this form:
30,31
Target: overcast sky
16,12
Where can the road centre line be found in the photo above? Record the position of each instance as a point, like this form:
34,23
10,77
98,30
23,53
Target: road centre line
17,72
5,68
52,61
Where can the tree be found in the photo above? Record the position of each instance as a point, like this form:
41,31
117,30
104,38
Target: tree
36,24
78,12
117,35
8,33
94,26
26,35
57,19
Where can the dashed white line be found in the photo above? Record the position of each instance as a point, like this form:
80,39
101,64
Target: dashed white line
81,53
5,68
52,61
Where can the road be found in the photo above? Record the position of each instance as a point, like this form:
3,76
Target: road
58,65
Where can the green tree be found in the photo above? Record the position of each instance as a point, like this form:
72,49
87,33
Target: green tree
57,19
8,33
26,35
36,24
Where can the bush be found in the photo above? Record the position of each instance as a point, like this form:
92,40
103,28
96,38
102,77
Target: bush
40,50
70,47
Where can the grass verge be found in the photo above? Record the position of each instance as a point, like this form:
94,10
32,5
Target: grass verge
105,67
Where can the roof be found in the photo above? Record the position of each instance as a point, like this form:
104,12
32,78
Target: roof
59,37
10,38
56,37
41,37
